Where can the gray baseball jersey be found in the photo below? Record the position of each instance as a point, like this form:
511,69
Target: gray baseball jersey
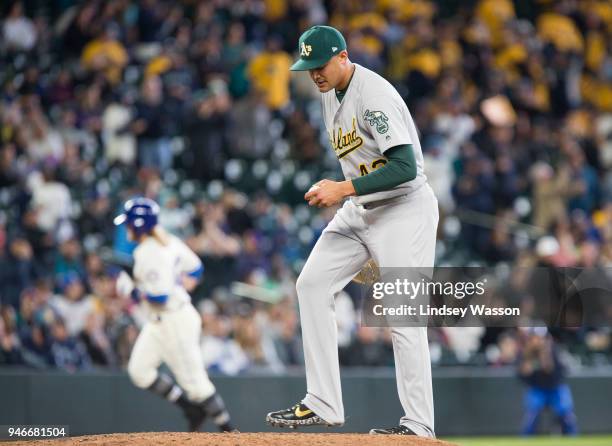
371,118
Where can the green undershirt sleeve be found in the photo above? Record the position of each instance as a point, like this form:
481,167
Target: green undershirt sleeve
400,168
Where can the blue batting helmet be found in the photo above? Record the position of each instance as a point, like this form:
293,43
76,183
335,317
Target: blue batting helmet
140,214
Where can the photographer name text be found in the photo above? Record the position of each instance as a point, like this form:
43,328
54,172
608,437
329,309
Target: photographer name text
444,310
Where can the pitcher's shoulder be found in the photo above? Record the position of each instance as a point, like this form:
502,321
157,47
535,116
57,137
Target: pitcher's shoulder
374,86
371,79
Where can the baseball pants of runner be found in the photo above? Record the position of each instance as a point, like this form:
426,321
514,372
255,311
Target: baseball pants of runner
175,340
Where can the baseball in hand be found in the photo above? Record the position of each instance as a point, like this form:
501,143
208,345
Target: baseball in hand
313,188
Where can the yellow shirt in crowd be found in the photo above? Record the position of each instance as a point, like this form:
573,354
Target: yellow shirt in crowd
108,56
270,75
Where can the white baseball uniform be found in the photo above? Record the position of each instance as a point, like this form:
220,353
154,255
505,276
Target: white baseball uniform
396,227
172,333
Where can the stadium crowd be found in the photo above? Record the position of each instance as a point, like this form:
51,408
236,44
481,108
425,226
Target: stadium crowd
192,104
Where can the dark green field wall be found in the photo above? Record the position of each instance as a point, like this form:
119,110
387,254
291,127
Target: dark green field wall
467,401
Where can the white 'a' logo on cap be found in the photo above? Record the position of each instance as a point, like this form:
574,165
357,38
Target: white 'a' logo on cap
334,48
306,50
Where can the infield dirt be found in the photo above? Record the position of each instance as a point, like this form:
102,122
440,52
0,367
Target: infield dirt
236,439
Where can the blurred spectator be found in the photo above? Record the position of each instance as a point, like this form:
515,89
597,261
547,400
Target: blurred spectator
541,370
94,218
40,302
106,54
287,340
118,146
10,346
150,124
8,174
18,30
125,341
37,348
549,194
303,138
61,89
474,191
20,269
501,247
221,353
584,188
438,168
254,341
68,263
150,19
73,305
235,55
463,341
213,238
346,318
68,353
507,350
50,199
82,29
269,71
172,217
96,341
249,127
369,348
43,142
206,132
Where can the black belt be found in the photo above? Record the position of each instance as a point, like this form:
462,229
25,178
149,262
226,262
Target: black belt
378,203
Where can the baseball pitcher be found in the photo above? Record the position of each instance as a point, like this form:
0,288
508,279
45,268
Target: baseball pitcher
391,217
164,268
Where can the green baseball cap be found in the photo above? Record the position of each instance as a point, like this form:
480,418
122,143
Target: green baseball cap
316,46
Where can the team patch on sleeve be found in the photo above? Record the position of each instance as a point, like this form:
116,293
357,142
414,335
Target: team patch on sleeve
377,119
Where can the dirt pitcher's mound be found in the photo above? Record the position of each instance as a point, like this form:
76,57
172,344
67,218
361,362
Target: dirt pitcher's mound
238,439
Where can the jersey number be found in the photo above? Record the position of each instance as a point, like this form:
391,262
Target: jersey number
363,170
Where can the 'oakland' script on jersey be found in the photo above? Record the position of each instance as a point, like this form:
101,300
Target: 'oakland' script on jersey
344,143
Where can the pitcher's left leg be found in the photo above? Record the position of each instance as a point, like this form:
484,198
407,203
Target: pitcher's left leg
413,375
408,240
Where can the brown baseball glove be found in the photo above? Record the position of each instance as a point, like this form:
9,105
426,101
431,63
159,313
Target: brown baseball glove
368,274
